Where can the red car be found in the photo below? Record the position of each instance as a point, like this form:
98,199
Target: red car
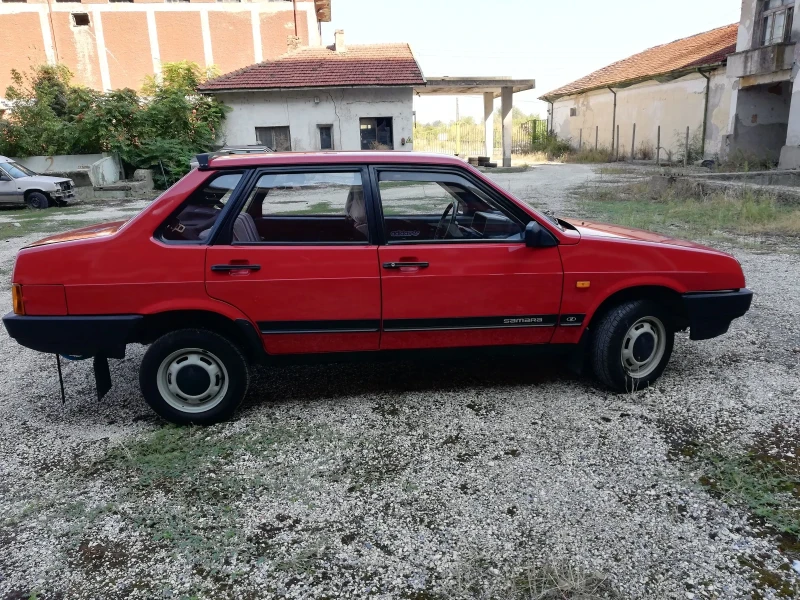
254,258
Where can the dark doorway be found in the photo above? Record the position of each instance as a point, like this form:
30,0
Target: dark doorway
376,133
325,137
277,139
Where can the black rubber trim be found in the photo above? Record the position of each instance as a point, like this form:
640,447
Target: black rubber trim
470,323
286,327
104,335
710,313
255,347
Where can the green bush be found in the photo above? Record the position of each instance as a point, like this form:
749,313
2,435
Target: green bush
159,129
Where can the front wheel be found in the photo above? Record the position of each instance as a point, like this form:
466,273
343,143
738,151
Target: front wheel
37,200
193,376
632,344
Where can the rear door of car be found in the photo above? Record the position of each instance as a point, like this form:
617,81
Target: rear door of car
300,262
463,281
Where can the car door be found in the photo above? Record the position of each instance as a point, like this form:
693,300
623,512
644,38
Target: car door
299,261
455,270
9,192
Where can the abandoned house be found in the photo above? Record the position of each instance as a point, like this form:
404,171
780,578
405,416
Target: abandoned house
673,86
765,107
323,98
112,44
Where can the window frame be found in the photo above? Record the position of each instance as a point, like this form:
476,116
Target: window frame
320,127
763,13
235,194
508,207
375,119
288,129
223,236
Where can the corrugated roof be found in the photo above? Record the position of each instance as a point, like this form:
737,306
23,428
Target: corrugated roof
711,47
359,65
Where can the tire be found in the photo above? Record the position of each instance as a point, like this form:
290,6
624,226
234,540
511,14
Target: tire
194,376
37,200
638,330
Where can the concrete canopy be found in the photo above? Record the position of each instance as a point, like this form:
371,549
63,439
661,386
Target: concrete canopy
490,88
473,86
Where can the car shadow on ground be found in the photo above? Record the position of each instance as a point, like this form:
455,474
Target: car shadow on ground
379,378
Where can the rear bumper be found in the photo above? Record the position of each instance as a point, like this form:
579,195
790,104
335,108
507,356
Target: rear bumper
710,313
73,335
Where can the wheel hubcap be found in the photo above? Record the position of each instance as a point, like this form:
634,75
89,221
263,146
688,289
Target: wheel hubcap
192,380
643,347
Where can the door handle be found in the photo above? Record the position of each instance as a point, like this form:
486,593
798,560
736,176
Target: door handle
400,265
223,268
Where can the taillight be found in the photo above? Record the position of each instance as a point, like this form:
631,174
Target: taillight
16,297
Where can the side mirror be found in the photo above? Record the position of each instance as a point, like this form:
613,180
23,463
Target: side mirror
537,236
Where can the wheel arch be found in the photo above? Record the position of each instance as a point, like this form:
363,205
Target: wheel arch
239,331
668,297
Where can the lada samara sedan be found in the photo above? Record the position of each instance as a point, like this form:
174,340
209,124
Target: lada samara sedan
255,258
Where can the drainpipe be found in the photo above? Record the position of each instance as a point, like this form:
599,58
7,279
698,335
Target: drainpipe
613,121
551,117
294,11
705,114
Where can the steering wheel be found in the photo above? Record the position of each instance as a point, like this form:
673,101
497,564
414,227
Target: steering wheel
452,210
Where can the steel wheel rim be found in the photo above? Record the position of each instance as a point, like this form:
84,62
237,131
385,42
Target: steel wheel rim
643,347
181,380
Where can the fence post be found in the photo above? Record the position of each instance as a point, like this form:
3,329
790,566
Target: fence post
617,157
633,141
686,152
596,136
658,147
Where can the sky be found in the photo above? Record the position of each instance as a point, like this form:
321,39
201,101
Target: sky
553,42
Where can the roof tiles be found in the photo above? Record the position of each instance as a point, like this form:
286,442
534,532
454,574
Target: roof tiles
711,47
359,65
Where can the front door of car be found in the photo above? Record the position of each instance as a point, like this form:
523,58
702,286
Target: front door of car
455,270
299,262
8,189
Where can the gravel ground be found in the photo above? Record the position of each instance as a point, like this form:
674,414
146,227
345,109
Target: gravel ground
420,480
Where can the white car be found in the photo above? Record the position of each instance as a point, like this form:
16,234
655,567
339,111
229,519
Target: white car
20,185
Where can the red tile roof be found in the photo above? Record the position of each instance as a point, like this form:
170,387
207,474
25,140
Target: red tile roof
360,65
711,47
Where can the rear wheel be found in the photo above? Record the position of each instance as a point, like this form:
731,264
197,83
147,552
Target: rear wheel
37,200
194,376
632,344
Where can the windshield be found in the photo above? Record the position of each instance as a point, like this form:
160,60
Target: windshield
16,170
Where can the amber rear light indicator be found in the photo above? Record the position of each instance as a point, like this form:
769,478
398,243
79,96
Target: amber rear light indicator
16,296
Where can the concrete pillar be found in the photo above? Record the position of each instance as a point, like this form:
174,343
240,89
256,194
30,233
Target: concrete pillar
505,109
488,122
790,153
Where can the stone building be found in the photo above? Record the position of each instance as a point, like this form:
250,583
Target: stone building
681,84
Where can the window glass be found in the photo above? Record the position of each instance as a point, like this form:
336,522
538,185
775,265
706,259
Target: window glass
325,137
277,139
430,207
16,170
314,207
199,213
376,133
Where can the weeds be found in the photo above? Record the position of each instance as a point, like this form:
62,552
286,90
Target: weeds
661,205
563,582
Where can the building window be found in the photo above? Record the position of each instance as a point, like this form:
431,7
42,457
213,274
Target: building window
573,112
120,0
776,21
277,139
80,19
376,133
325,137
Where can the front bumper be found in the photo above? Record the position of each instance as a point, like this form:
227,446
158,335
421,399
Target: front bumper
75,335
710,313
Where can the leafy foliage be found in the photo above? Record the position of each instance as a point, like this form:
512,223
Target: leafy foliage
160,129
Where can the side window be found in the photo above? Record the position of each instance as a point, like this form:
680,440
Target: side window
304,208
195,218
426,207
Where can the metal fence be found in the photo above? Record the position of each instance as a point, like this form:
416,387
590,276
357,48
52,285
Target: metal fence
469,139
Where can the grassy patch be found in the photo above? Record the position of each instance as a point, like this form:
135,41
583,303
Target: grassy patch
563,582
659,205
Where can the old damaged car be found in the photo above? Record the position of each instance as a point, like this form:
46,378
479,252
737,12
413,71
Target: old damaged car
262,258
21,186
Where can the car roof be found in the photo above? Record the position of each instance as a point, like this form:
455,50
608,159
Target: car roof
332,158
5,159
